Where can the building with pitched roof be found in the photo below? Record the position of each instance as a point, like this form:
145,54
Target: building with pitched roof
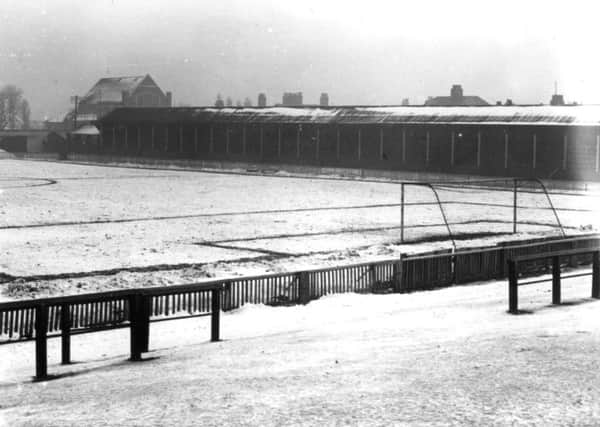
456,99
115,92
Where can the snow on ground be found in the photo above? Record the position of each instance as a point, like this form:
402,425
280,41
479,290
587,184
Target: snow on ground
445,357
65,218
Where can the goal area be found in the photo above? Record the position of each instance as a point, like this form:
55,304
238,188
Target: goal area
469,209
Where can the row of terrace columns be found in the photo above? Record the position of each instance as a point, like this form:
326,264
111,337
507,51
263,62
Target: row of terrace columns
506,150
564,157
299,130
534,150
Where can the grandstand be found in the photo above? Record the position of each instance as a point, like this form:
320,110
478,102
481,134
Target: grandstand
547,142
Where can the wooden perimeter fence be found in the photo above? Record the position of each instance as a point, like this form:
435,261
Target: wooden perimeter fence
65,316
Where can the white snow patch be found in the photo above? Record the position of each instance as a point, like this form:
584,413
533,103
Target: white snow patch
539,115
446,354
283,111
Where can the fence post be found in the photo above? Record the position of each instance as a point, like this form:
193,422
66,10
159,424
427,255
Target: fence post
65,333
515,183
372,277
513,296
41,342
397,271
135,305
457,276
402,213
303,287
146,302
555,280
596,275
215,312
226,297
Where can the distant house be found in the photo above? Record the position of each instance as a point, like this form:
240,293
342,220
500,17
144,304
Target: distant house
456,99
292,99
110,93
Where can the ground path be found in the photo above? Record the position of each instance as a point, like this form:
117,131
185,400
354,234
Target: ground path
446,357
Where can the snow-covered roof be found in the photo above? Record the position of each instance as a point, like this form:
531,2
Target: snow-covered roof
447,101
110,89
489,115
87,130
588,115
90,117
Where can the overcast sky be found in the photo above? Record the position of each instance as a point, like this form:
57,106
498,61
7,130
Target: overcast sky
360,52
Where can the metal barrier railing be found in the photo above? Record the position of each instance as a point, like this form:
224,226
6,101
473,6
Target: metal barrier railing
513,274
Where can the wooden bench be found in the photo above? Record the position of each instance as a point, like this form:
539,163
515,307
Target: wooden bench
515,262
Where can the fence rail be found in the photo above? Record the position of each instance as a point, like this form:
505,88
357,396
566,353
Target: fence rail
134,308
514,264
137,308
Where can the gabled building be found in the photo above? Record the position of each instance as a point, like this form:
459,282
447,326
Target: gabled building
110,93
456,99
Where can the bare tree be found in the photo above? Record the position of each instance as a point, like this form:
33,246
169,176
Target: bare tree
229,102
14,108
247,102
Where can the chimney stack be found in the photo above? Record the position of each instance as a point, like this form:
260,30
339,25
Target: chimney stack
456,92
262,100
324,100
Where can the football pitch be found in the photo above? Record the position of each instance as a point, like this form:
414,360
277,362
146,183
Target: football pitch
58,218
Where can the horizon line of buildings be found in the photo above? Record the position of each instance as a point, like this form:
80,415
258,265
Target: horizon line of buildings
449,134
110,93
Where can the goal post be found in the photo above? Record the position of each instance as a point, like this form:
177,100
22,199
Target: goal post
469,209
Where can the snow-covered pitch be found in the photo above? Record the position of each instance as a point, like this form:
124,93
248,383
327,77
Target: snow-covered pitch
444,357
170,226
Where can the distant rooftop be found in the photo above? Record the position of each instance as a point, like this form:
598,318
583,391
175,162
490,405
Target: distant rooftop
456,99
110,89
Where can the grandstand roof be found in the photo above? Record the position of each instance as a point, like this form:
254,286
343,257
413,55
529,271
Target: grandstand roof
490,115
